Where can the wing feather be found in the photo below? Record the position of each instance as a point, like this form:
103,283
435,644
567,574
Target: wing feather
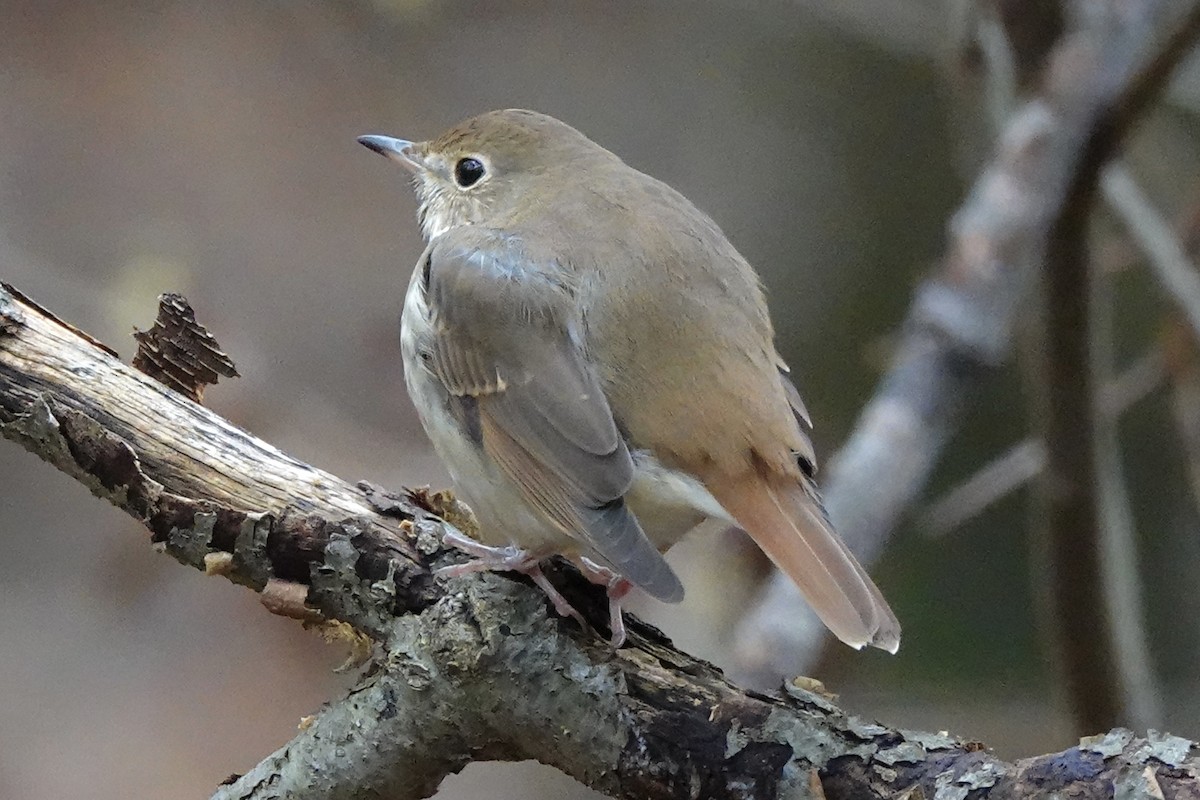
505,333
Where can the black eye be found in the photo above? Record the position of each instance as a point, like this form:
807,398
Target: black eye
468,171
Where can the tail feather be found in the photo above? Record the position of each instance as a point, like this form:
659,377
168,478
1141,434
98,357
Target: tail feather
787,522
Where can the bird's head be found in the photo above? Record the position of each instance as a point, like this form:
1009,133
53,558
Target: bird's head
489,166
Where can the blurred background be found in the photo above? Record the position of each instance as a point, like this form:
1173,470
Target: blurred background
208,149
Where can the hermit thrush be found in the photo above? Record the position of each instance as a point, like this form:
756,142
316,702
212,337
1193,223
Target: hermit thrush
595,365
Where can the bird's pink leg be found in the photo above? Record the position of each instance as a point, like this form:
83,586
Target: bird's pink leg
505,559
617,588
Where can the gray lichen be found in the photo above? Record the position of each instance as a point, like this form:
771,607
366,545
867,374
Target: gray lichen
1166,748
1109,744
908,752
37,430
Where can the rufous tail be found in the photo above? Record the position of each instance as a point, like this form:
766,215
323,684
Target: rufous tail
786,520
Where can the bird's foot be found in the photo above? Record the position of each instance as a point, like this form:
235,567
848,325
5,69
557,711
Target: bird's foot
505,559
617,588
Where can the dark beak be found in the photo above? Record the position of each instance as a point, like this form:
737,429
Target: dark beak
398,150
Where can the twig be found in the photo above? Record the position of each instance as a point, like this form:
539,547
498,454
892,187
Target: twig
1018,466
1168,258
1120,581
1025,460
1183,358
1135,383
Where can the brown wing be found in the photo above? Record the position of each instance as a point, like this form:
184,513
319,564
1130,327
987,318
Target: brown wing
505,333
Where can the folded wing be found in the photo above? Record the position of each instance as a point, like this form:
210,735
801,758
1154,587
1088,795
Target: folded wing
506,332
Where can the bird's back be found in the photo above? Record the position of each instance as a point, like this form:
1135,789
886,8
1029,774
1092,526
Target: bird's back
715,396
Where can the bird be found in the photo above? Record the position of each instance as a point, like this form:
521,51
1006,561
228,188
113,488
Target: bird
595,365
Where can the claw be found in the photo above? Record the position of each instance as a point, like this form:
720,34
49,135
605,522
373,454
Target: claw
617,588
506,559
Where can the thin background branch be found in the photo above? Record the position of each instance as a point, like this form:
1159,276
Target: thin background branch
1024,461
1069,504
1168,258
959,326
1120,580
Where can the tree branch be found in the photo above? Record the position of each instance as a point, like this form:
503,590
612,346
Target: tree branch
1120,581
1102,97
958,329
477,668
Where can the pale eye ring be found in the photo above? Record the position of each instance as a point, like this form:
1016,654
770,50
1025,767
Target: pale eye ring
468,172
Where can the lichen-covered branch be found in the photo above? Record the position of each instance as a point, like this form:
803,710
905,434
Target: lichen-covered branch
479,668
